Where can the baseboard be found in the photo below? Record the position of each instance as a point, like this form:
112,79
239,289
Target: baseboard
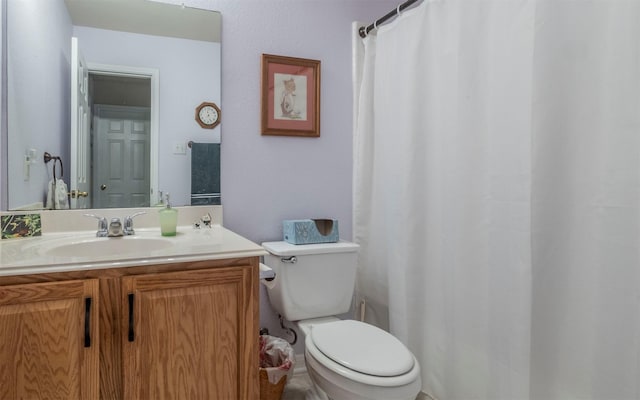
300,366
424,396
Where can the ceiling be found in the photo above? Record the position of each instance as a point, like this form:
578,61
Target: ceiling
146,17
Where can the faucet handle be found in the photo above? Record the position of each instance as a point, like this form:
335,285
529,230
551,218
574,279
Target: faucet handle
132,216
128,223
206,220
102,224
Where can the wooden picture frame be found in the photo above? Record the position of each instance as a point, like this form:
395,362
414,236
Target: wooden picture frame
290,101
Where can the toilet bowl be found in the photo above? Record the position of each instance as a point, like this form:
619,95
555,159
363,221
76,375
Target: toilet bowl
345,359
352,360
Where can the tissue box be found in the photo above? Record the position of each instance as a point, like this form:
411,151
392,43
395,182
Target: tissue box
307,231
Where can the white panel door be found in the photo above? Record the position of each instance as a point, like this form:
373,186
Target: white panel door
121,151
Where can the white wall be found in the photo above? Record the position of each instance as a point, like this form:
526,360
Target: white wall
3,112
38,77
266,179
181,91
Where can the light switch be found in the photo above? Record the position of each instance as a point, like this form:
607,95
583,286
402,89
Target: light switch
31,154
29,159
179,148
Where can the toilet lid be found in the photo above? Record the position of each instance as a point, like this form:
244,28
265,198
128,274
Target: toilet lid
362,347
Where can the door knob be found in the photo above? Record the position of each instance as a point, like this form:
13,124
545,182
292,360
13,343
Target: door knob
77,194
103,186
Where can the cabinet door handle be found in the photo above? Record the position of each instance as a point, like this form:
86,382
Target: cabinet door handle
87,322
131,332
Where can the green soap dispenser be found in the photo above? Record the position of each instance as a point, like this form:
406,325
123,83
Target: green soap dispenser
168,219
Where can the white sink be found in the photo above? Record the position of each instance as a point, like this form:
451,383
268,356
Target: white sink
82,250
125,245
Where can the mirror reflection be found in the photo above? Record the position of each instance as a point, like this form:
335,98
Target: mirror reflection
111,88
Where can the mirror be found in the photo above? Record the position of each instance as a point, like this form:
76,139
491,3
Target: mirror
166,57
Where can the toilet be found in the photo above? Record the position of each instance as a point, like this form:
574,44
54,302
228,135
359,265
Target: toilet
345,359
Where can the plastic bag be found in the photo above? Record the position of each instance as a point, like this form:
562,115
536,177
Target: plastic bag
276,357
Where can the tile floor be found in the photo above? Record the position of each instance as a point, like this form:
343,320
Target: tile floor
300,383
296,389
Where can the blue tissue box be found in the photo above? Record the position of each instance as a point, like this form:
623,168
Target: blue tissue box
307,231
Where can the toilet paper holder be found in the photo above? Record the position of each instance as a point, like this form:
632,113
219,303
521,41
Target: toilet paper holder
267,273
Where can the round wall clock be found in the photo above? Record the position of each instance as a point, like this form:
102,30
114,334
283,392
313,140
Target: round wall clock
208,115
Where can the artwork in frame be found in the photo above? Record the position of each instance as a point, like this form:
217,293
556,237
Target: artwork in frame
290,96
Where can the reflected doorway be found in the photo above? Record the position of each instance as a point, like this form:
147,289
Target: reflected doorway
123,136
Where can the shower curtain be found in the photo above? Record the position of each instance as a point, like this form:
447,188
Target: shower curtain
497,195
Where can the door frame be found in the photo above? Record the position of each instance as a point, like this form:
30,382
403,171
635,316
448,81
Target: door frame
154,75
80,176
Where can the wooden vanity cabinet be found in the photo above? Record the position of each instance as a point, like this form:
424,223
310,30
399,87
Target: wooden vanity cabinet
186,334
49,340
172,331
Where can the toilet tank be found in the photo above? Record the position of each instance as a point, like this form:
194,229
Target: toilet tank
312,280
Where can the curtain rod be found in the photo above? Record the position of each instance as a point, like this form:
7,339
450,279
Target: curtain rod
364,31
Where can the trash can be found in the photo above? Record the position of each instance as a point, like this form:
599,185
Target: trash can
276,366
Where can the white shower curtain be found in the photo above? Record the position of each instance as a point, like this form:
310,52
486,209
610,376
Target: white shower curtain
497,195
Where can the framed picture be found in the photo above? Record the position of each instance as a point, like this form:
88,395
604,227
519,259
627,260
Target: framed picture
290,96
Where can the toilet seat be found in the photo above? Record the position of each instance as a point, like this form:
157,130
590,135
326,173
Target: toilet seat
362,348
409,376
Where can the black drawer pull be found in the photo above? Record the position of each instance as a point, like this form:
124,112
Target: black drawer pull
131,332
87,322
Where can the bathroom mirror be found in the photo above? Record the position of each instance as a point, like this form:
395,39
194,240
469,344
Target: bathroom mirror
166,56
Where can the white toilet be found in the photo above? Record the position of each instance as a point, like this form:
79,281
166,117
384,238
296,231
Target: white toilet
346,359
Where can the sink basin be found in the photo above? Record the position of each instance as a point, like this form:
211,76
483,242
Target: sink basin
109,246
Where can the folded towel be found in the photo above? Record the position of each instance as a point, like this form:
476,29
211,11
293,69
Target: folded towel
205,173
57,198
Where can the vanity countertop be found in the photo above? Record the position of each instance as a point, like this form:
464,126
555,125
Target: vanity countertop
82,250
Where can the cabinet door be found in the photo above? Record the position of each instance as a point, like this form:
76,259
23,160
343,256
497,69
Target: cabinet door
191,334
49,340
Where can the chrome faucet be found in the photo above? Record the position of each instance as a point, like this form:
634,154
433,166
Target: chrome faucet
115,228
102,225
128,223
